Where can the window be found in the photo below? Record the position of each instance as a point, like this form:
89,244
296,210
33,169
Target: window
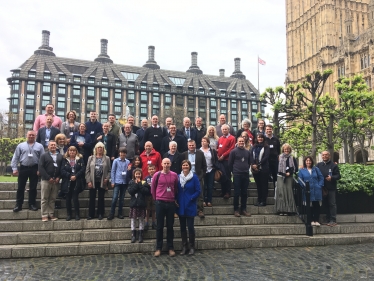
129,75
31,86
46,87
167,99
244,105
223,103
143,85
76,104
47,76
180,100
118,83
130,95
104,118
117,109
14,101
104,81
90,92
233,104
45,100
61,89
254,105
131,85
15,85
104,105
104,93
156,97
76,91
155,86
177,81
90,105
117,94
61,102
76,79
29,117
15,74
62,77
213,116
213,102
91,80
144,96
254,118
155,109
15,110
202,102
30,100
212,92
32,74
201,91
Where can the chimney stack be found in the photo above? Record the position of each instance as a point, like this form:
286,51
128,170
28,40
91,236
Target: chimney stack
104,47
44,49
194,68
151,63
237,73
222,72
103,57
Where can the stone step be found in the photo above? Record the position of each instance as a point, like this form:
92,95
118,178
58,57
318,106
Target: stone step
8,214
12,194
91,235
205,243
83,202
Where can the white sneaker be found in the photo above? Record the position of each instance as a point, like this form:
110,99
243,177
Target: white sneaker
313,223
317,223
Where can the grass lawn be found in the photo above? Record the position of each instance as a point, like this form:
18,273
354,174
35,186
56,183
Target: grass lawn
8,179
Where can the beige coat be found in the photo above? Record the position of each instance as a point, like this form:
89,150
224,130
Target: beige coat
90,171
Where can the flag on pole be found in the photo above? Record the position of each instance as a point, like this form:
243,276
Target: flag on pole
260,61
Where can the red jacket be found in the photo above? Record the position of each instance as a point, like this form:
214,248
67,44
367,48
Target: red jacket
155,159
225,145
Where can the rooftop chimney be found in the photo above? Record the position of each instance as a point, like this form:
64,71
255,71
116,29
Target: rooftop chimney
194,68
103,57
237,73
222,72
44,49
151,63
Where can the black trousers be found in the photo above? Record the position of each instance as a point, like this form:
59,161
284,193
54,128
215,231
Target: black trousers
262,184
315,211
226,185
165,210
100,201
273,170
27,173
72,194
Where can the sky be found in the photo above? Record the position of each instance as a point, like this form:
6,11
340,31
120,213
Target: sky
218,30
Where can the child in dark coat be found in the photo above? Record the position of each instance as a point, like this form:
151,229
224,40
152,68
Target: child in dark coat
138,189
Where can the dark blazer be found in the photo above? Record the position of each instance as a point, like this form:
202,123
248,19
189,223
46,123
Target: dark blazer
66,173
110,145
86,149
193,133
40,138
265,158
48,168
176,166
200,163
179,139
199,136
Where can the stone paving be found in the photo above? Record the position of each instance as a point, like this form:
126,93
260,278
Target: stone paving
337,262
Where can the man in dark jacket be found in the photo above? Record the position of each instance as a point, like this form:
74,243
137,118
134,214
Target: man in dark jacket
109,140
173,136
93,127
49,168
239,163
200,131
154,134
198,167
331,173
274,145
47,133
175,158
187,131
140,134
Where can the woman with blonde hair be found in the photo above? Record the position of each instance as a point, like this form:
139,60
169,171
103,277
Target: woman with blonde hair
73,183
284,200
97,178
247,143
61,146
211,133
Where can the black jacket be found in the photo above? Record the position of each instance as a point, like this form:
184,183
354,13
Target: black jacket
200,163
179,139
66,173
274,146
110,143
264,160
176,165
47,167
155,136
335,174
199,136
142,189
40,138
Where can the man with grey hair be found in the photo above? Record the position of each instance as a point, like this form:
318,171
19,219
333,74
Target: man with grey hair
154,134
175,157
331,174
222,120
168,122
131,121
173,136
140,133
187,131
200,131
129,141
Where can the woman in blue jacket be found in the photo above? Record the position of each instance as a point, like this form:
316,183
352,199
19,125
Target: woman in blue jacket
188,193
82,141
313,175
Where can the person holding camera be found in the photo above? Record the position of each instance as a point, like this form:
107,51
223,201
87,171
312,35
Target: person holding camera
284,200
260,168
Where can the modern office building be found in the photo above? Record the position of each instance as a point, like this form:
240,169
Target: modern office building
103,86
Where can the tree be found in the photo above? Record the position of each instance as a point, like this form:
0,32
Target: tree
176,112
299,137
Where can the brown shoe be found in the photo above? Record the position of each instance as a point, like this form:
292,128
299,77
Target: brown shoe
227,196
157,253
45,219
209,204
53,218
175,215
201,214
171,253
204,204
244,213
236,214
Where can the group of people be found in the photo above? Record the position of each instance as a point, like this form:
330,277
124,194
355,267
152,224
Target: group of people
168,172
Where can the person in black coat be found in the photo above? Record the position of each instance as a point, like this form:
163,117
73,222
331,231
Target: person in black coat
154,134
82,141
138,189
175,157
200,131
47,133
109,141
173,136
187,131
73,179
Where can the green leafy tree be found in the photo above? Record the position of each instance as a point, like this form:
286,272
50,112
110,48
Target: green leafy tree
7,148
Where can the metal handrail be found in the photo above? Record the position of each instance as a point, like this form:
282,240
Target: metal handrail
301,193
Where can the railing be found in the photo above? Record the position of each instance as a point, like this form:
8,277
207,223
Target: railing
301,193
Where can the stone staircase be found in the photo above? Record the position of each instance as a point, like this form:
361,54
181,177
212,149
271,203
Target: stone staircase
23,234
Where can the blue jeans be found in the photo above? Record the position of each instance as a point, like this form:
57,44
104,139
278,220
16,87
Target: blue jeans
165,209
187,222
119,189
208,183
241,183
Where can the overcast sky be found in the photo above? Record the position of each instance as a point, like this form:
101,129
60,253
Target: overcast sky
218,30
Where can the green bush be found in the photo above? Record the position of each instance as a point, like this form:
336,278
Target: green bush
356,177
7,148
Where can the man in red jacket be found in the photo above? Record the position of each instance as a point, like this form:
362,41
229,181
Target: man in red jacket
226,143
150,156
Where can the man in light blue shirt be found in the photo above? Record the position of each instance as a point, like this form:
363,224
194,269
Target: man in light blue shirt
119,183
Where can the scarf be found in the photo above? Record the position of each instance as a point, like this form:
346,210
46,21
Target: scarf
183,180
282,163
257,150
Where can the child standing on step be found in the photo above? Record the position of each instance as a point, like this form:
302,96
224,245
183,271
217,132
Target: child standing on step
138,189
151,208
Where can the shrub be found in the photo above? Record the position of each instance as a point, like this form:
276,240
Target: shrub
356,177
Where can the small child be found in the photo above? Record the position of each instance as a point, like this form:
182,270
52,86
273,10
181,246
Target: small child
151,208
138,189
136,163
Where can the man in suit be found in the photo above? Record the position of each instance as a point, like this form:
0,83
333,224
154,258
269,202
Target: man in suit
168,122
187,131
173,136
198,167
47,133
200,131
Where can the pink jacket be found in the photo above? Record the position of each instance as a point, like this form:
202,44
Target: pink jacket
167,186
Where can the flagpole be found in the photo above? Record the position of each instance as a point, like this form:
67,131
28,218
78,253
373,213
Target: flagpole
258,74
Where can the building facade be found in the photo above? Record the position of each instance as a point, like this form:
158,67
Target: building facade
330,34
103,86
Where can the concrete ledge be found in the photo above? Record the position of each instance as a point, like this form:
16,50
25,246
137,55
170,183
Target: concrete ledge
30,251
94,248
65,250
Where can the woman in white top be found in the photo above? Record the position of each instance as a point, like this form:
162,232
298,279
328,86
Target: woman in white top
211,134
211,158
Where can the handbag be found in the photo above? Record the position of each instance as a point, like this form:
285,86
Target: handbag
217,175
